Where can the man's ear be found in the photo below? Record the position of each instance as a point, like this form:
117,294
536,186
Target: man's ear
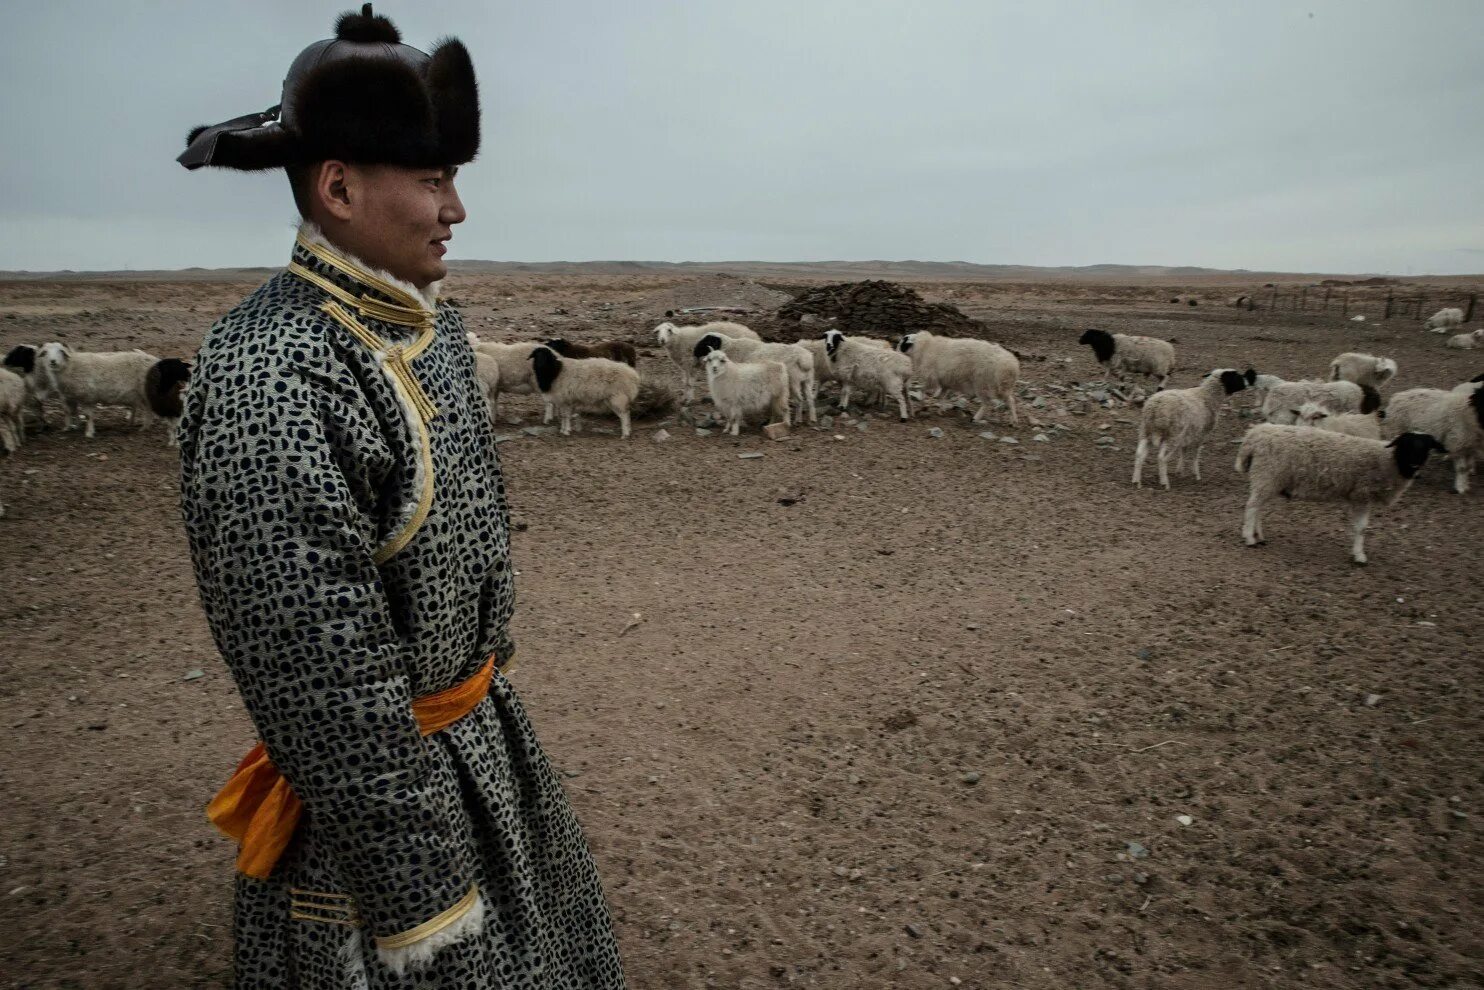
332,188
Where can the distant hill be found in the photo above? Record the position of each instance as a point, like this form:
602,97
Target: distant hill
785,270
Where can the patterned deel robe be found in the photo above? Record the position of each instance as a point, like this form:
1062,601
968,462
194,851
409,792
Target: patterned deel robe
352,556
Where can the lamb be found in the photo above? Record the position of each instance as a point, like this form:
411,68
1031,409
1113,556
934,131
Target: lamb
613,350
1283,399
21,360
976,368
824,371
487,372
1314,415
164,385
680,344
12,410
796,360
1466,341
585,385
1299,462
517,376
856,363
1178,419
1455,418
1127,354
739,389
1444,319
82,379
1362,369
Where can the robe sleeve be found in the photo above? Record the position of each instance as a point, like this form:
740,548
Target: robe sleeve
276,510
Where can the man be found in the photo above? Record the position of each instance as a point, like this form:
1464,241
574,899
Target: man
399,825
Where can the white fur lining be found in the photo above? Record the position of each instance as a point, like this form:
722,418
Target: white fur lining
428,296
420,953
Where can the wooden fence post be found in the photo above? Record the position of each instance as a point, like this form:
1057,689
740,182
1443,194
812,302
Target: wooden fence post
1388,305
1468,314
1327,290
1345,303
1303,300
1273,299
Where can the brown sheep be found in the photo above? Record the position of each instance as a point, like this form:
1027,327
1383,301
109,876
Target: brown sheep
613,350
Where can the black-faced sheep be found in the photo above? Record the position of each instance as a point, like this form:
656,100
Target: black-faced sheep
577,385
1126,354
1180,420
1303,463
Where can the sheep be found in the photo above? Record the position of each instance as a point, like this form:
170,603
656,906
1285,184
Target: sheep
12,410
1362,369
487,372
1127,354
1299,462
739,389
680,344
1282,400
517,376
1444,319
82,379
795,359
977,368
164,384
1178,419
1456,418
585,385
856,363
613,350
824,371
1314,415
1466,341
21,360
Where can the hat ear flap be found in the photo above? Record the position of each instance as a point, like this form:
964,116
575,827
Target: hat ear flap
455,98
250,144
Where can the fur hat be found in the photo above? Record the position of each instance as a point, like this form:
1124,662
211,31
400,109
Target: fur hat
361,96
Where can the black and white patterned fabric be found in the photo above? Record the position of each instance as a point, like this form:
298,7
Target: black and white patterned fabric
303,464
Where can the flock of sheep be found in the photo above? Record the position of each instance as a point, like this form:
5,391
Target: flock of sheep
1322,439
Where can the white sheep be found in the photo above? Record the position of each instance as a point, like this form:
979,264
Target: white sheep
1314,415
1455,418
976,368
487,371
517,376
795,359
1283,399
1362,369
824,371
12,410
1466,341
1470,386
1444,319
1177,420
1124,354
741,389
680,344
21,360
585,385
856,363
1299,462
83,379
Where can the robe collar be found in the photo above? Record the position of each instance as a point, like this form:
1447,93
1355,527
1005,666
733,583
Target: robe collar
375,293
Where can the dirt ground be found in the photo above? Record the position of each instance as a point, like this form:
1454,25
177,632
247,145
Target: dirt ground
899,711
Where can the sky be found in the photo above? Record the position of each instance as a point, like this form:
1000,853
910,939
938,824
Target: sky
1329,135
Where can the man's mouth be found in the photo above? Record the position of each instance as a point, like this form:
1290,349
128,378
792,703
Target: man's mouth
441,245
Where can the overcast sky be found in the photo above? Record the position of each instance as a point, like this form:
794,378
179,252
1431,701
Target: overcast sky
1332,135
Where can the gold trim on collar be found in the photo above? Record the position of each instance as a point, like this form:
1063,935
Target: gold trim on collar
405,299
432,926
374,308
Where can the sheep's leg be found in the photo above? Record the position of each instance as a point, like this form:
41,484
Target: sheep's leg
811,388
1252,519
1196,464
1140,452
1359,516
566,422
70,415
1014,415
845,397
1463,466
979,413
688,393
546,410
1163,457
623,421
87,418
904,403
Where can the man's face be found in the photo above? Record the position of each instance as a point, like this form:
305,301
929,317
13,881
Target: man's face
403,218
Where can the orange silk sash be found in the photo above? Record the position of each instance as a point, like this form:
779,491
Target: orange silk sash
259,809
